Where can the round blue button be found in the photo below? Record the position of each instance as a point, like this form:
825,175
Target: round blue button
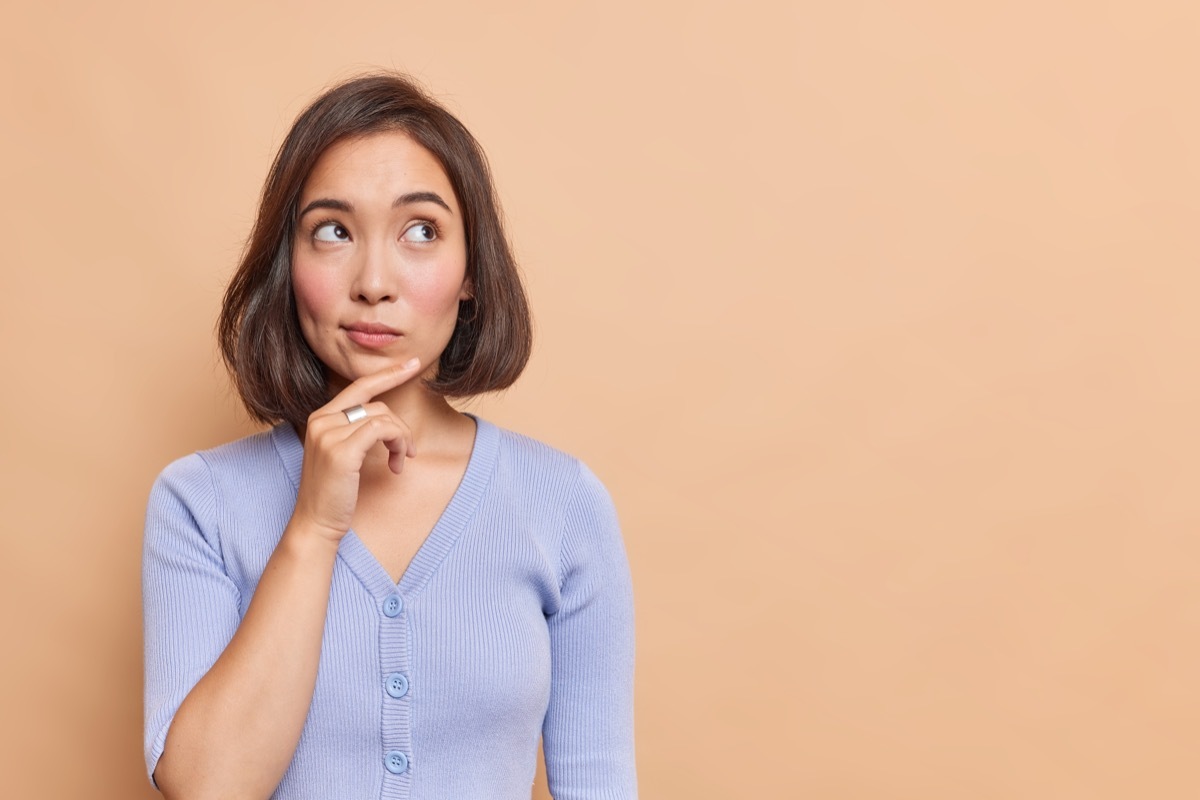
392,606
396,762
397,685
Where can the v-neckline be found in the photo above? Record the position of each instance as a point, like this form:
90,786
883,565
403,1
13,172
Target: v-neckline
441,538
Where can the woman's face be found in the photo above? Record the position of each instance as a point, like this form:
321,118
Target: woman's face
379,259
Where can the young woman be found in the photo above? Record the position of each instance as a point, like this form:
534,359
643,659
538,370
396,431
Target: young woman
380,596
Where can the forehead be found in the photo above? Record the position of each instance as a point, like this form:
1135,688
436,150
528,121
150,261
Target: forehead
376,166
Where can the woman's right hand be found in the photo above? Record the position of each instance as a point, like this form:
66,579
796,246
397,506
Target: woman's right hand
334,450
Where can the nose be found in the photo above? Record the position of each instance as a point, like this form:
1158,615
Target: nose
376,275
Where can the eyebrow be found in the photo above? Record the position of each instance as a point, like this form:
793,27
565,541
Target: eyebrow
402,200
420,197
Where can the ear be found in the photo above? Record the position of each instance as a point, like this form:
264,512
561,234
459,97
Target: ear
468,290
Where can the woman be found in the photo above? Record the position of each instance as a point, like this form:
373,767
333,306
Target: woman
381,596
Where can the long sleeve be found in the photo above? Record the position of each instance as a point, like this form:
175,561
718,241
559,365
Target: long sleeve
190,605
588,729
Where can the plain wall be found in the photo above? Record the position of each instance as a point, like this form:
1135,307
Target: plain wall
877,319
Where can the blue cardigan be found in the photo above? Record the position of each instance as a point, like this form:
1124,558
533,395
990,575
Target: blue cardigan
513,620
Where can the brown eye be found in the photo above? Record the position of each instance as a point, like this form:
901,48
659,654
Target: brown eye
331,232
421,232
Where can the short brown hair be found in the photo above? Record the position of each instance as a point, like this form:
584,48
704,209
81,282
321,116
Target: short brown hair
274,370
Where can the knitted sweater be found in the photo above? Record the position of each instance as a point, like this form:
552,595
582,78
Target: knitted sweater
514,619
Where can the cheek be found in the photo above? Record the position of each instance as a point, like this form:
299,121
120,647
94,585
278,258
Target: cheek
435,293
315,292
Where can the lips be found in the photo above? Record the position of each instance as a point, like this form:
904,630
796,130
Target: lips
372,327
371,334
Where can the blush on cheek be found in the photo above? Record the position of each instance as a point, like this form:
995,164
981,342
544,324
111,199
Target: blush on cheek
434,293
315,292
316,295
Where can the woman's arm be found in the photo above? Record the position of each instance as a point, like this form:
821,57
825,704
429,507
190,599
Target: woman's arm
235,733
587,736
249,682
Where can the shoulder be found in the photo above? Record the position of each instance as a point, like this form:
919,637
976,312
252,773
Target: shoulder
525,453
196,477
233,453
552,472
531,459
253,452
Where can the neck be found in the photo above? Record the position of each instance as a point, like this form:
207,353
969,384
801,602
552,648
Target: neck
430,418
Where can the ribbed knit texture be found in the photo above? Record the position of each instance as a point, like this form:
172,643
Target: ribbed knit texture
516,620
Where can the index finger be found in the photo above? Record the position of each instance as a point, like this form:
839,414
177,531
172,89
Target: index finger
367,387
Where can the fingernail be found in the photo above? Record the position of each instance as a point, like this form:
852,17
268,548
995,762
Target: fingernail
412,362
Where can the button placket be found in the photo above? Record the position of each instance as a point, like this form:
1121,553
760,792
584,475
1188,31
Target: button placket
394,661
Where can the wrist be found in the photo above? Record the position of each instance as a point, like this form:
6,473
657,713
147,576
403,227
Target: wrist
305,539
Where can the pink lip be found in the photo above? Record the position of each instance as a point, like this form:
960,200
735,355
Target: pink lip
371,334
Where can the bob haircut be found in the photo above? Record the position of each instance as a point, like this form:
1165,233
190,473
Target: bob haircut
276,373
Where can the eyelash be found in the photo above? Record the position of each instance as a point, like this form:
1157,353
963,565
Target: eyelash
312,231
316,226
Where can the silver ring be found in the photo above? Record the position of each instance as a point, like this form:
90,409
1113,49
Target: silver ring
354,413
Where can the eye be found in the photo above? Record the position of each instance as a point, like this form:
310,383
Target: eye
421,232
330,232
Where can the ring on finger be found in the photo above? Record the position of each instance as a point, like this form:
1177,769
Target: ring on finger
354,413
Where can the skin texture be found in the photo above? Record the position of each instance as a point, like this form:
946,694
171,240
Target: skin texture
369,260
378,262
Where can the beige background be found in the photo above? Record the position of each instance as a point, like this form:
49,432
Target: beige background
877,319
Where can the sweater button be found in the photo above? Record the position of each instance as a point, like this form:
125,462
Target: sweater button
397,685
392,606
396,762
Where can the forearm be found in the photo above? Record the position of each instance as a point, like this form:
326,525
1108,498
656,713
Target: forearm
236,731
